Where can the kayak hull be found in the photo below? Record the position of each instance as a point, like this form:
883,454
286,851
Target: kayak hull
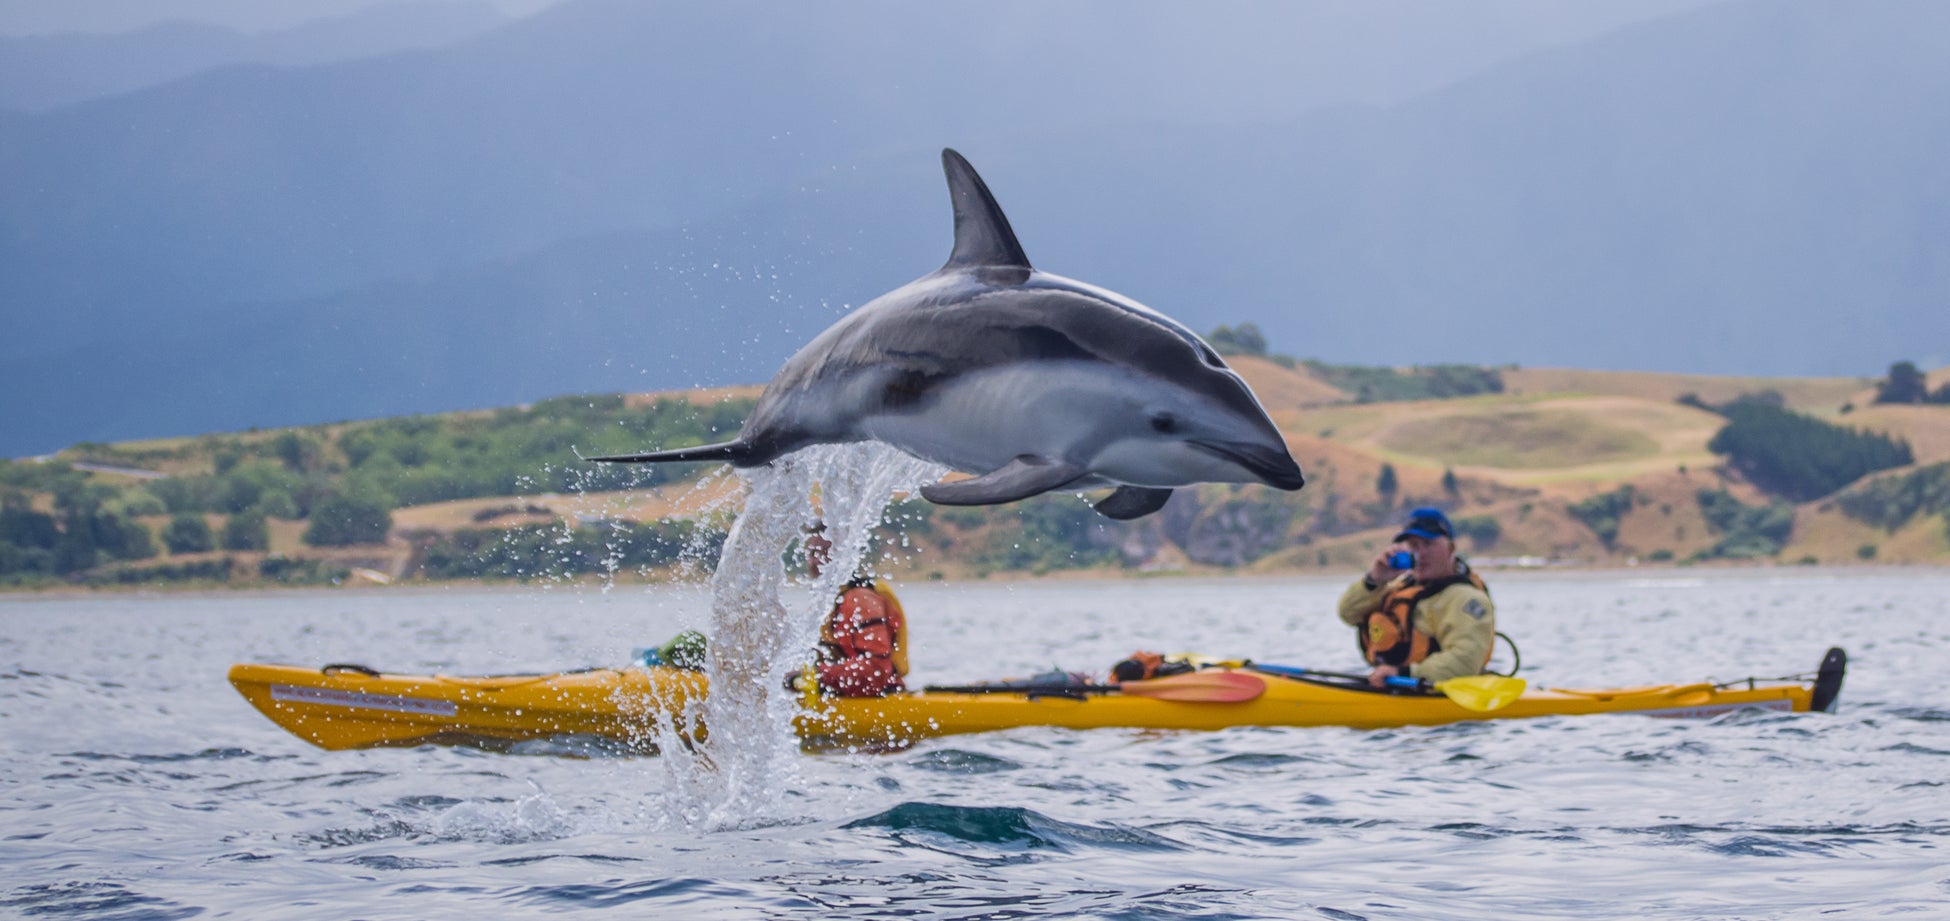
346,707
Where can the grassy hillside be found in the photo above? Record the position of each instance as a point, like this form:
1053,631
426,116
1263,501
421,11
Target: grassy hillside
1580,467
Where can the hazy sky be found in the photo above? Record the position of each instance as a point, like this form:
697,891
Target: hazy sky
29,17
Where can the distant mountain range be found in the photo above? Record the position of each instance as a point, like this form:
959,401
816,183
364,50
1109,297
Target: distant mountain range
40,72
615,195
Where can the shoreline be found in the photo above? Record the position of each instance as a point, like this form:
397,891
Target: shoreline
1662,572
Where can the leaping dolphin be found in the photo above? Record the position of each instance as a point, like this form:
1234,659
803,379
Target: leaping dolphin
1028,380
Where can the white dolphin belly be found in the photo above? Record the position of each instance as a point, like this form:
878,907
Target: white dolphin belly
1086,413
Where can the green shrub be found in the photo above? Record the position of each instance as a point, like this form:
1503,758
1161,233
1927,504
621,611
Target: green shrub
195,571
301,571
524,451
556,550
188,534
136,501
1890,502
246,531
21,526
1746,531
1483,530
1049,532
1602,513
1431,382
18,560
39,477
343,521
1246,339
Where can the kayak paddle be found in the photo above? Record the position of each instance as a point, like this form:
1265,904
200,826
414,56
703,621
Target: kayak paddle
1206,687
1480,693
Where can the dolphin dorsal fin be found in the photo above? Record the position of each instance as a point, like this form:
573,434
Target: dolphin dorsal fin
982,234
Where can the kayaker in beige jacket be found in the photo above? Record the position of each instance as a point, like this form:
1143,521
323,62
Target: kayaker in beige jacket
1419,610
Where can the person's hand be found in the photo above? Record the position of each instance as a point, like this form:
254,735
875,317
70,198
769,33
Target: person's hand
1379,572
1379,677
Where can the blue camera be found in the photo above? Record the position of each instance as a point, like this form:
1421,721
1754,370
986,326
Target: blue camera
1401,559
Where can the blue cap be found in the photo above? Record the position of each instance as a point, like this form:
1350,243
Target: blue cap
1429,523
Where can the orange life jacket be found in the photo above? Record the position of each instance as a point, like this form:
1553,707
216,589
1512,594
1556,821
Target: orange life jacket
1391,637
865,613
897,619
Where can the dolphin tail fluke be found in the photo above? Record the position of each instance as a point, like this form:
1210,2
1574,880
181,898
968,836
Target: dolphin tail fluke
982,233
1130,502
1021,478
736,453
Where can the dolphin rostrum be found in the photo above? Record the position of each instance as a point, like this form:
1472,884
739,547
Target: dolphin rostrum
1030,381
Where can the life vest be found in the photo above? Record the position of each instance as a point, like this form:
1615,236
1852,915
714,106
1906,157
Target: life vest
1390,636
889,612
897,619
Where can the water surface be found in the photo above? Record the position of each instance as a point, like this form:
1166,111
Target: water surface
136,784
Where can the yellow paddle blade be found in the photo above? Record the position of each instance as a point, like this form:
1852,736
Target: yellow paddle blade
1482,693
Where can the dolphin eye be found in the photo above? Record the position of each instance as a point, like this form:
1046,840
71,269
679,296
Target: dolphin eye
1164,423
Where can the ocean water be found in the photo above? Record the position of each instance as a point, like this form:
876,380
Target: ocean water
136,784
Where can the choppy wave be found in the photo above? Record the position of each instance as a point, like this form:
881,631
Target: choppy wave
1013,826
137,785
96,900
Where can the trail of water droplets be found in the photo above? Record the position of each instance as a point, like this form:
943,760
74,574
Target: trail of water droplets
764,626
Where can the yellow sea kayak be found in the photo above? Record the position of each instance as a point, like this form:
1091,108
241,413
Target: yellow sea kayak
343,706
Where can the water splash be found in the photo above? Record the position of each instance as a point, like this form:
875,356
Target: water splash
764,626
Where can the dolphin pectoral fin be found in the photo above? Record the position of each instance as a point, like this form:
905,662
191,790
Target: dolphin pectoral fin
737,453
1021,478
1130,502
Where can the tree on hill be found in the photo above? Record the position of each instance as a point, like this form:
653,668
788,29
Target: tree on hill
1746,531
298,452
1245,339
1905,384
1387,485
342,521
1482,530
1430,382
21,526
1602,513
1799,457
246,531
1892,501
94,529
187,534
27,537
1237,340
